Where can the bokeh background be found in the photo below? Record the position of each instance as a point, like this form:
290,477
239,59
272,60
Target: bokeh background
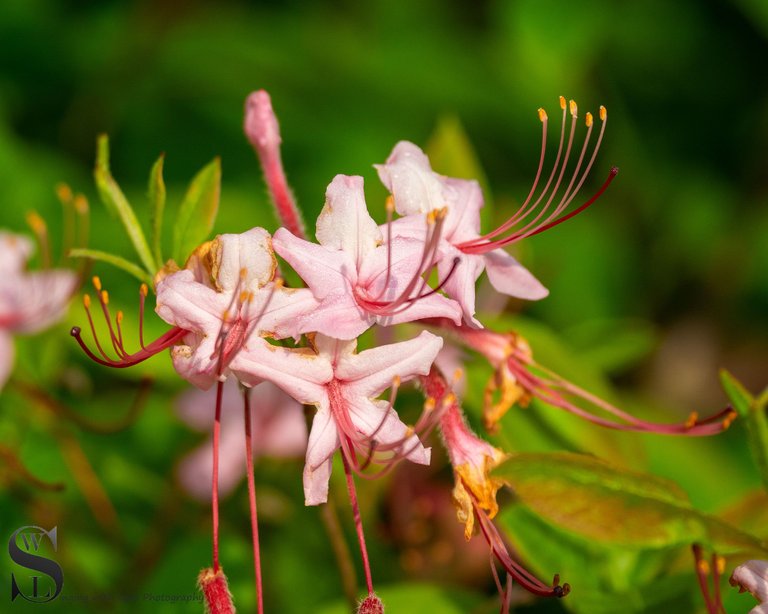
656,287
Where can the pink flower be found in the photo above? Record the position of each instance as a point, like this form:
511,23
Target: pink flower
29,301
359,281
417,189
226,298
344,386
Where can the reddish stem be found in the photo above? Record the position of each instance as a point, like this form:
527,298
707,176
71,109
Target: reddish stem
252,498
358,523
215,476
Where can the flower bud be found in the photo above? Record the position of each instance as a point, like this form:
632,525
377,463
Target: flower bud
371,605
217,597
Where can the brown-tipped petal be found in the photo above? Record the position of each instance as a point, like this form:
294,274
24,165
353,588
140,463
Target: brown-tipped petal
213,584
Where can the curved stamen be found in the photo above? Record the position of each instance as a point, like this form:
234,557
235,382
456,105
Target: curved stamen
163,342
545,218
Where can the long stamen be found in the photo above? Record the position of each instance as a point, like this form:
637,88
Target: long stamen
66,198
124,359
702,572
40,230
390,207
252,498
545,219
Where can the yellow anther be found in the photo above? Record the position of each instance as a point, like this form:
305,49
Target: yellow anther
243,273
442,212
588,119
64,193
250,297
703,567
431,216
396,381
105,297
720,564
542,115
225,315
36,223
143,290
119,317
603,113
429,404
81,204
243,296
573,108
691,421
562,102
409,431
279,281
389,204
729,419
449,399
96,283
458,374
87,301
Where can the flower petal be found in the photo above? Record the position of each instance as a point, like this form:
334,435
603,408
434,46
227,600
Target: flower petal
463,220
460,285
184,302
344,223
411,181
371,372
15,250
377,420
337,315
510,277
323,270
251,252
299,372
323,442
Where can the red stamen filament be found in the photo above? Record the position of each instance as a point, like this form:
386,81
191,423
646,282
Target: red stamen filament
358,524
125,359
252,498
215,475
545,219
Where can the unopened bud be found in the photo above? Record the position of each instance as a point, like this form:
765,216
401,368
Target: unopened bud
371,605
261,126
216,595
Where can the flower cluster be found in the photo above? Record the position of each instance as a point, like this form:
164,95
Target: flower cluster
233,318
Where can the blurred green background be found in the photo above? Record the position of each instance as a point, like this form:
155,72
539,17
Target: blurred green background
658,285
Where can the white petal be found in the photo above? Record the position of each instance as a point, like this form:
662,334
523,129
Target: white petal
323,442
413,184
344,223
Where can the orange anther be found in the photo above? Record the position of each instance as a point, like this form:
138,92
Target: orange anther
542,115
96,283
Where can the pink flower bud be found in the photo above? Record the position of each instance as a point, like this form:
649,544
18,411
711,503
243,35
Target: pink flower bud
371,605
218,599
261,125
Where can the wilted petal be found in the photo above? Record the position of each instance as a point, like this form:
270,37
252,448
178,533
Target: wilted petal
752,576
510,277
250,252
371,372
344,223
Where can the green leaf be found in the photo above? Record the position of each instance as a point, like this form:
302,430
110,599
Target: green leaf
198,211
157,198
609,504
741,399
120,263
115,201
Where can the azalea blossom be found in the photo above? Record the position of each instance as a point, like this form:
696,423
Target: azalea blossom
344,387
30,301
357,279
279,429
417,189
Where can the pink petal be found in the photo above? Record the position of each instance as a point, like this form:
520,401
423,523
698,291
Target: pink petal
31,302
463,220
371,372
377,420
299,372
411,181
344,223
6,357
510,277
277,311
460,286
323,442
184,302
198,362
337,315
323,270
15,250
